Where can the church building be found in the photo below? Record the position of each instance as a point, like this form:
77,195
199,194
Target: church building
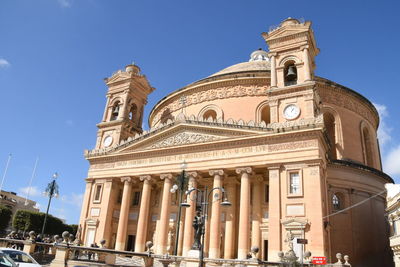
291,150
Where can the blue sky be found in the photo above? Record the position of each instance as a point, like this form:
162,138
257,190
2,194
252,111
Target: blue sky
54,55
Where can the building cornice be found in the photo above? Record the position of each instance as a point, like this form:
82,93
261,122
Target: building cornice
361,167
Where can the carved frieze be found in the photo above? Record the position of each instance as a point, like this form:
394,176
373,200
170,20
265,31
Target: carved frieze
339,98
206,94
183,139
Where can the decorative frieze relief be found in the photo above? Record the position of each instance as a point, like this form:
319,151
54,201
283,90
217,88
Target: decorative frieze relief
212,154
206,94
336,96
183,139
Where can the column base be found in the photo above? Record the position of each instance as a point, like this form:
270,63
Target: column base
193,258
120,246
242,254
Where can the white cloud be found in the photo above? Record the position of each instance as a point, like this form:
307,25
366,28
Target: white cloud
4,63
73,199
33,191
383,130
391,162
64,3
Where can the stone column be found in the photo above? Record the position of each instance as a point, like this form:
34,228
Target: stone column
123,215
273,71
307,67
85,208
140,242
215,222
256,214
104,228
162,232
189,214
124,105
230,221
274,226
244,212
106,109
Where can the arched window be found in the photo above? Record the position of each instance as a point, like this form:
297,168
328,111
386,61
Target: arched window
114,111
266,114
210,113
336,202
330,126
367,146
290,73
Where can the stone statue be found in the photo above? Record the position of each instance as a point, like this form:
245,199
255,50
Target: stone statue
198,224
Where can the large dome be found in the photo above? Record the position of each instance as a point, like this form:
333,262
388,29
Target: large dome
259,61
245,67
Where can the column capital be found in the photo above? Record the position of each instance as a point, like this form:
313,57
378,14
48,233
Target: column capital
192,174
216,172
145,178
166,176
272,54
275,167
89,180
242,170
126,179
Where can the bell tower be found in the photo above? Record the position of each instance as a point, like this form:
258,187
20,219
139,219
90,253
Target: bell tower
292,51
123,115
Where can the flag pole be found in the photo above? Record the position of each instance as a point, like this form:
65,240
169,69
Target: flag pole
5,172
30,182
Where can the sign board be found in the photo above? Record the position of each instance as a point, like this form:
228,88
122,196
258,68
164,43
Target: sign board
302,241
319,260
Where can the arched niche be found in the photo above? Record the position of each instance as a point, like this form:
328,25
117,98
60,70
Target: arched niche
367,144
334,132
263,112
212,111
290,71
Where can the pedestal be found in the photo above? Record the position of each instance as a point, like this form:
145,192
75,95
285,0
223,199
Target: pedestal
192,259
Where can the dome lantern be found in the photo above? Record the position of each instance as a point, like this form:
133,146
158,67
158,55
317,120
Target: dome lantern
259,55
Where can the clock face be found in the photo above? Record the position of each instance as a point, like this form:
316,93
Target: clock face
108,141
291,111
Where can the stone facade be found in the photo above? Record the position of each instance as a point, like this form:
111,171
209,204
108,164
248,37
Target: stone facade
290,149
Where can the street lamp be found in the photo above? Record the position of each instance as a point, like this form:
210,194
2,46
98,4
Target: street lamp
200,221
180,187
51,191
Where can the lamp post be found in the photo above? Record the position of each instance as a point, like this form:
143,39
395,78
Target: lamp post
51,191
180,187
199,223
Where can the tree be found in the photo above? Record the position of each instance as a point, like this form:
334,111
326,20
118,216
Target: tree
5,217
33,221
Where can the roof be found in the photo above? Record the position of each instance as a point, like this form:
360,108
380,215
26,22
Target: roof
245,67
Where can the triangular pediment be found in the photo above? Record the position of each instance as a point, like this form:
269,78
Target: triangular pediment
283,32
118,77
184,134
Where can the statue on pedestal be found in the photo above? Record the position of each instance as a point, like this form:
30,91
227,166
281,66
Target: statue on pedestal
198,224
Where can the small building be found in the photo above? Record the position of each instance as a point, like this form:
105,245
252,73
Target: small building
15,203
393,215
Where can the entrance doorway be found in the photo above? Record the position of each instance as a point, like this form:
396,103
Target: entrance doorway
131,243
265,250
